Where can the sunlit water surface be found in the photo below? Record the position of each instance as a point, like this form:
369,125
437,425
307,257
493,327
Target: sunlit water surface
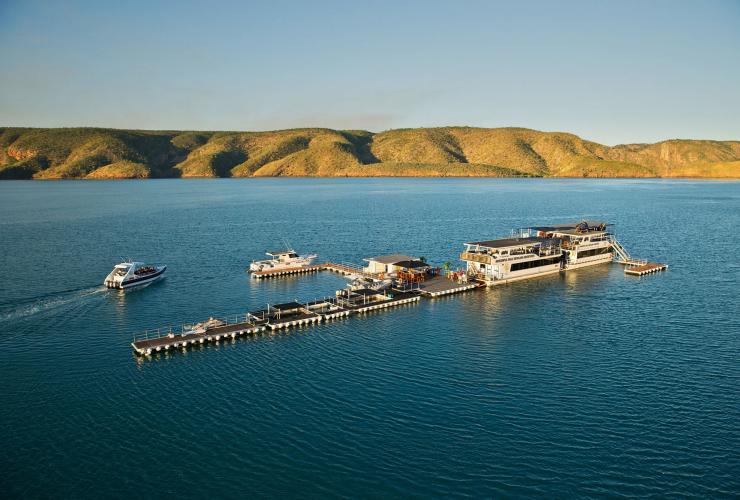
590,383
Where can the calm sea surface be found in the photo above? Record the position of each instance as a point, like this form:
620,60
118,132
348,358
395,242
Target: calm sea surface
590,383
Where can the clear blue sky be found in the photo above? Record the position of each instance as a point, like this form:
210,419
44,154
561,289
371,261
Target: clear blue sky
613,72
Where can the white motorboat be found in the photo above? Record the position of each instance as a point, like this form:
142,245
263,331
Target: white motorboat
363,283
131,274
287,259
204,326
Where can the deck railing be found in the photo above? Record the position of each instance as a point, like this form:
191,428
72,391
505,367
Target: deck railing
476,257
155,333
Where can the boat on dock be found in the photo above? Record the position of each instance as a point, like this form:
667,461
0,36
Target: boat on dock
285,260
131,274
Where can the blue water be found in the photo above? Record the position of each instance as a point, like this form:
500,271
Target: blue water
591,383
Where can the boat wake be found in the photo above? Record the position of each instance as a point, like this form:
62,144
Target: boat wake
51,302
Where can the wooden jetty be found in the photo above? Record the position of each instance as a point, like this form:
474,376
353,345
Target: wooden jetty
643,268
344,269
367,299
274,317
412,280
438,286
344,304
164,339
288,271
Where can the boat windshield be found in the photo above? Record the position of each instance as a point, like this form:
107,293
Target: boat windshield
121,271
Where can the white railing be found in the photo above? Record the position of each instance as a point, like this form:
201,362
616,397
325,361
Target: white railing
623,254
166,331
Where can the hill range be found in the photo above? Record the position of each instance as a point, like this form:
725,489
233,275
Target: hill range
96,153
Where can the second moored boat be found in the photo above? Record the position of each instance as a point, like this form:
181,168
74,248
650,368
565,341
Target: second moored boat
283,260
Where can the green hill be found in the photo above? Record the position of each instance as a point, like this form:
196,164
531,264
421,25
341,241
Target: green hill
93,153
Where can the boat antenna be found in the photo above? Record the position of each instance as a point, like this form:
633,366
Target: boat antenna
287,245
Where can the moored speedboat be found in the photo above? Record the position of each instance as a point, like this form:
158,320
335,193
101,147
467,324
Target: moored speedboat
204,326
287,259
130,274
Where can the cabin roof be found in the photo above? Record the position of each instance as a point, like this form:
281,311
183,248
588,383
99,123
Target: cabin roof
287,306
510,242
367,292
390,259
411,264
280,252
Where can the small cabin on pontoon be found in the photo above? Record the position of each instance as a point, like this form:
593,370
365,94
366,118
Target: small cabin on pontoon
389,264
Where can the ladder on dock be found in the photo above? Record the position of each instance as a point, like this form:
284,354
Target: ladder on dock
623,255
636,267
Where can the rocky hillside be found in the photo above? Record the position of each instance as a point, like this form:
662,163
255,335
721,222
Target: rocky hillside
91,153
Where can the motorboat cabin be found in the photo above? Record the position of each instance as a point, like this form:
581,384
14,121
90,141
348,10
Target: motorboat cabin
282,260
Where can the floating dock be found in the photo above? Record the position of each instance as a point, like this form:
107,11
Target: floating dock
366,299
394,280
438,286
164,339
288,271
344,269
644,268
276,317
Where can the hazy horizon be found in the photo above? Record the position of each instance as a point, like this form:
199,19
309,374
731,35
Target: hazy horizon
609,73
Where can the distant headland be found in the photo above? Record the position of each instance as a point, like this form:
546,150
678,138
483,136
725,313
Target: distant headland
96,153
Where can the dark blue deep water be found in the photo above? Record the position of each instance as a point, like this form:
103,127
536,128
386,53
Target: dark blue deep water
591,383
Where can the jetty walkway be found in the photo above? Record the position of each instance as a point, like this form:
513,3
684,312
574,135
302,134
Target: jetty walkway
295,314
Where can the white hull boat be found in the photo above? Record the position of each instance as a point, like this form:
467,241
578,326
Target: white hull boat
288,259
132,274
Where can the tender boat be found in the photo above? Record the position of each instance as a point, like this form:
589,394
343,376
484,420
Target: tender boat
287,259
204,326
363,283
130,274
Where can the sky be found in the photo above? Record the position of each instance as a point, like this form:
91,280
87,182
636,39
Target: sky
613,72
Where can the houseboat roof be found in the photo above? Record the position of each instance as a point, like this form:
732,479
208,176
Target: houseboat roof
590,225
511,242
390,259
280,252
288,306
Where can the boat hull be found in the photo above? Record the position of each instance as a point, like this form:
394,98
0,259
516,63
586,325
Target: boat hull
268,265
137,281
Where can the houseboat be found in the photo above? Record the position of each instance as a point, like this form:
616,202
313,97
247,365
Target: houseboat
282,260
540,250
512,259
